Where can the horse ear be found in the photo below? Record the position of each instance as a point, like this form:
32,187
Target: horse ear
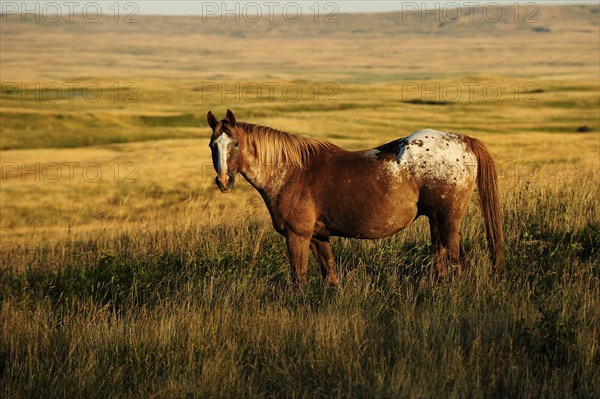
230,116
212,121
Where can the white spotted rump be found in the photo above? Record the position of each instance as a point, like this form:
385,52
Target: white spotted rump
432,155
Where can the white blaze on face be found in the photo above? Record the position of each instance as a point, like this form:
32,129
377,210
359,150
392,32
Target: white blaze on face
222,144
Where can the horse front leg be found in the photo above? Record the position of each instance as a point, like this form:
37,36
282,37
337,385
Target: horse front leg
322,251
298,252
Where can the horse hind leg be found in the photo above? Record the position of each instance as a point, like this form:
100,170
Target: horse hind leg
322,252
439,252
465,259
448,246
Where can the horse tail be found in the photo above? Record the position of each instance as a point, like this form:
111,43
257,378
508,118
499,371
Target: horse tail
487,187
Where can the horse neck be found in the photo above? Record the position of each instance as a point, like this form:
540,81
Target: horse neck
268,179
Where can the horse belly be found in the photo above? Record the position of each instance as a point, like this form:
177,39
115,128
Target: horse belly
372,210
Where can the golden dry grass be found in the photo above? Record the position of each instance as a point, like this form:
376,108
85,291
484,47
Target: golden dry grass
156,285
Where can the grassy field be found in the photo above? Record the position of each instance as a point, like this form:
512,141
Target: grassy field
125,273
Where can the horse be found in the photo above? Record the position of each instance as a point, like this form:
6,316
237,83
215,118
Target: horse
314,189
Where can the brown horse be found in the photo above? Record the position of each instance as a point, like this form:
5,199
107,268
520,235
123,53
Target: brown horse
314,189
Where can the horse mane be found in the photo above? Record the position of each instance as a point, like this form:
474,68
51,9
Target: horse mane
274,146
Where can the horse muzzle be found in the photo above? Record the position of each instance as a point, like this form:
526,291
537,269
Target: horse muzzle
225,182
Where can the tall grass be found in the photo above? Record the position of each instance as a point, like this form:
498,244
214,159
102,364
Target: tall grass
116,290
207,311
